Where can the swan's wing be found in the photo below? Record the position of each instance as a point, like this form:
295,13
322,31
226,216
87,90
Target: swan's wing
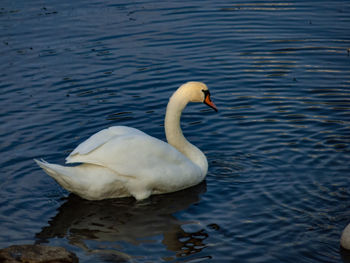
137,155
99,139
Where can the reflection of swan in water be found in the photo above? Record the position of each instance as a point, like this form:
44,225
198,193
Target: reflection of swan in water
127,221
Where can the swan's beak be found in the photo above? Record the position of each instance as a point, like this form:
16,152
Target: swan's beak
208,101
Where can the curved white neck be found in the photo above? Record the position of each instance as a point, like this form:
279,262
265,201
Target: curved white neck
174,133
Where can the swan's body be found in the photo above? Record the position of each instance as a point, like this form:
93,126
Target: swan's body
122,161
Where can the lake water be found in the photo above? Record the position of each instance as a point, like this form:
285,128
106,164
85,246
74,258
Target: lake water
277,188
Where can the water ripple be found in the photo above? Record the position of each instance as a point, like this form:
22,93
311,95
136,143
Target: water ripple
278,150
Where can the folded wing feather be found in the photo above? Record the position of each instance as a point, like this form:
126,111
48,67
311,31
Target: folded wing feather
132,153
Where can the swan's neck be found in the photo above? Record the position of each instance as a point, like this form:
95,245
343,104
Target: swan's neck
175,136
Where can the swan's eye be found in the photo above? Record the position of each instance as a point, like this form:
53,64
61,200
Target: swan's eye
206,93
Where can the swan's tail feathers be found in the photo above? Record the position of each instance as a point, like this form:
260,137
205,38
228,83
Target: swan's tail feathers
89,181
46,167
58,172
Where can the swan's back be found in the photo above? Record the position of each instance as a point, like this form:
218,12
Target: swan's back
100,138
139,157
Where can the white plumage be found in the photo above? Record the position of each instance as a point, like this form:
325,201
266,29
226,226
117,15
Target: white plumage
122,161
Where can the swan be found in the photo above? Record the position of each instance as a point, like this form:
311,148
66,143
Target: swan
122,161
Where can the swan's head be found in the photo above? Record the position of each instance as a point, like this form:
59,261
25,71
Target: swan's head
197,92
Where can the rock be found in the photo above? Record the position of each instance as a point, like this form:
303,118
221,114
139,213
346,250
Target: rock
36,254
345,238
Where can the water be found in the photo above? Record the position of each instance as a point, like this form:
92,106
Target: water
277,189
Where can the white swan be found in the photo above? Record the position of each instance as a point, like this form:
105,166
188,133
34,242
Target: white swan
122,161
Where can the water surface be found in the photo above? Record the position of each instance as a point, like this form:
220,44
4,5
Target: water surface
277,188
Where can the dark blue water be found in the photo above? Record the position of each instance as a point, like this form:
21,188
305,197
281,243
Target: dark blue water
277,189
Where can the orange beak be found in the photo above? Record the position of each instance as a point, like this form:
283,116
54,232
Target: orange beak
208,101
